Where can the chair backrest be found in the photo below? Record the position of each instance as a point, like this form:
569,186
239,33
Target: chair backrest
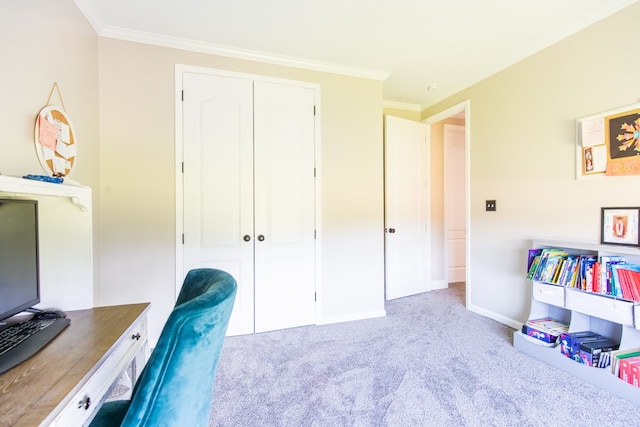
176,385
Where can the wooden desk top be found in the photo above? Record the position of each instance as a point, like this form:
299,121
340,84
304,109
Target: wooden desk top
32,390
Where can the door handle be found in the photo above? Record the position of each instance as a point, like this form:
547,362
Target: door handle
390,230
261,238
246,238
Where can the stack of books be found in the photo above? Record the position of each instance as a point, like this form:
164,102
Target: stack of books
625,364
544,331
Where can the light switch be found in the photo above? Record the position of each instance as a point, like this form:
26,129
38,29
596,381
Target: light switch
490,205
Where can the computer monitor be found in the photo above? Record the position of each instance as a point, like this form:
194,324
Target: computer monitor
19,268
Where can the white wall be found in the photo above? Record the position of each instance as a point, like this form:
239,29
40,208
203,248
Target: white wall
522,149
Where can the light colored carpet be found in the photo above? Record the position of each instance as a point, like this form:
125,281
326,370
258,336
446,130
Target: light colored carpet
429,362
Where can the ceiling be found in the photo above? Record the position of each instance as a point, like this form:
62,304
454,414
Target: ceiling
423,50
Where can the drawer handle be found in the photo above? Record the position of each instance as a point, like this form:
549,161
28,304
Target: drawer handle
136,336
85,403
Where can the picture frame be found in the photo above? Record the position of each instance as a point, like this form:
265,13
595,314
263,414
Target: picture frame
619,226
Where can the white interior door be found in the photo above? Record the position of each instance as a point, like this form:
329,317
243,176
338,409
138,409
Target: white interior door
284,206
218,184
249,199
406,208
454,198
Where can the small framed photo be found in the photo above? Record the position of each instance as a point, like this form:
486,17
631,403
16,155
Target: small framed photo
619,226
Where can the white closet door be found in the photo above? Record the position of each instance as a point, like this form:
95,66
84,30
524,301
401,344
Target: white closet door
407,207
218,184
284,206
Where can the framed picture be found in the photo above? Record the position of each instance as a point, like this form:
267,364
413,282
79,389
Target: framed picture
619,226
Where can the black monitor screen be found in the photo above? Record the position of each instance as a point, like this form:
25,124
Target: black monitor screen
19,278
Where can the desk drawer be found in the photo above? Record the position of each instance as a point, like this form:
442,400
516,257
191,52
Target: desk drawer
82,406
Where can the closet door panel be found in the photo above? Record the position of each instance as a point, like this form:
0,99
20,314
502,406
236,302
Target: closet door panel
218,184
284,206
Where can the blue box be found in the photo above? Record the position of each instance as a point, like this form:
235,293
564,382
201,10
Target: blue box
570,342
591,351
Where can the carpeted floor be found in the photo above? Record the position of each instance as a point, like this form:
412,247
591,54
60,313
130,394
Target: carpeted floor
429,362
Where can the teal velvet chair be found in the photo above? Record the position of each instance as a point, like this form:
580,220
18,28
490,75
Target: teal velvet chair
176,385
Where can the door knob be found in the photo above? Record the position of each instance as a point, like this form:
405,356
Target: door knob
246,238
261,238
392,230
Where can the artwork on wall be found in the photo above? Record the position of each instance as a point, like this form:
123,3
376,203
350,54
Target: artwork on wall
619,226
609,143
55,140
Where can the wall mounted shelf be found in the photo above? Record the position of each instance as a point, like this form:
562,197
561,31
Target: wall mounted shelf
79,194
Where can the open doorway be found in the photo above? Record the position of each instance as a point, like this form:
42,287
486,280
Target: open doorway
449,140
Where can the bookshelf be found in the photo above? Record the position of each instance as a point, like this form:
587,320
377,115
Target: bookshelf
609,316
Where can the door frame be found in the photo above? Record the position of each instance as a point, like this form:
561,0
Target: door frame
466,107
180,70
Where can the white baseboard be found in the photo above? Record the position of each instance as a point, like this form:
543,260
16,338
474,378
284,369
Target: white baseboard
495,316
350,317
438,284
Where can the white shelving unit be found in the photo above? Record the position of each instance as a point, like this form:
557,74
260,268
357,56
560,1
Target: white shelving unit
606,315
65,239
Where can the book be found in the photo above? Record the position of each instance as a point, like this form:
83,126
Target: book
532,255
621,354
596,283
605,271
635,373
550,268
533,267
544,256
605,360
558,270
569,271
586,271
628,276
626,370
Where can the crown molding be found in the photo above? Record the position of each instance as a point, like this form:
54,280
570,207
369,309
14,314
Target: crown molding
402,106
108,31
228,51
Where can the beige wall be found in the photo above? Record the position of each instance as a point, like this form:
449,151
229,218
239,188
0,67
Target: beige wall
137,109
404,113
43,42
522,127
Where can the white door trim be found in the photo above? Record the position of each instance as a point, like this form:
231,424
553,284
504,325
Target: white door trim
180,70
466,107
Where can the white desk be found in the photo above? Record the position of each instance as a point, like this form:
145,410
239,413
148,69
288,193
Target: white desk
66,382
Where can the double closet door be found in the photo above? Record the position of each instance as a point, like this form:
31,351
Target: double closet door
248,188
